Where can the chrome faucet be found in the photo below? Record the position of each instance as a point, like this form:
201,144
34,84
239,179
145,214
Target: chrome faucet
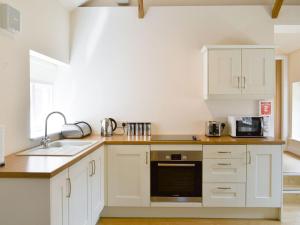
45,140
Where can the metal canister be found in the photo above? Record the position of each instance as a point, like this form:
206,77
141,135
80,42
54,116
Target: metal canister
137,129
141,129
132,129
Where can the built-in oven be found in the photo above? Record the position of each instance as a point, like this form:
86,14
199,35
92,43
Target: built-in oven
176,176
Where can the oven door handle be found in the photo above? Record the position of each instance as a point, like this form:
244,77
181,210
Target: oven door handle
176,165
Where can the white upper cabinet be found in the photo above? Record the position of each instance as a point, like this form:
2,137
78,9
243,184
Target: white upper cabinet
238,72
225,71
264,176
128,175
258,72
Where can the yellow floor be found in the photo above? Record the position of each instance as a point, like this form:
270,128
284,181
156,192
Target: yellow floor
291,216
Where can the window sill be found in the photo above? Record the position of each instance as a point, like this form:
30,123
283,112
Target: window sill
295,140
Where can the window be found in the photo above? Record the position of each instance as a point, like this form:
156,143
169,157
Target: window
43,74
296,111
41,103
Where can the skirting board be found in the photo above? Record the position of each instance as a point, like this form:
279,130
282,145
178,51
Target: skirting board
162,212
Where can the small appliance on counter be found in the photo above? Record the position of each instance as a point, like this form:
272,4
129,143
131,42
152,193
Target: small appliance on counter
76,130
108,126
214,128
246,126
2,162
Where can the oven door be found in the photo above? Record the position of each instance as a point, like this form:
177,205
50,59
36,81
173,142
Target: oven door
249,127
179,181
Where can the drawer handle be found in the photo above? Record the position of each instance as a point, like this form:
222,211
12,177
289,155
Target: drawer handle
224,152
224,164
224,188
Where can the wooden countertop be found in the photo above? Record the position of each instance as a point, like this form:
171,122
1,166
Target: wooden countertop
49,166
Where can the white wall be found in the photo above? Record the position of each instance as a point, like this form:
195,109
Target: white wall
45,29
150,69
294,76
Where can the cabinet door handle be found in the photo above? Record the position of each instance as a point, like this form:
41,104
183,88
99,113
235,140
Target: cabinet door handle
224,164
224,152
244,83
146,158
91,168
249,158
69,188
239,79
94,167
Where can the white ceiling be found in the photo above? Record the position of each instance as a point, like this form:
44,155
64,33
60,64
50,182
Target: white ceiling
287,38
192,2
287,43
71,4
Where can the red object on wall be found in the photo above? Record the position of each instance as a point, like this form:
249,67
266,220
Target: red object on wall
265,108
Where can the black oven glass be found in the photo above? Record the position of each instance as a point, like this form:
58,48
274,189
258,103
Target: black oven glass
176,179
249,126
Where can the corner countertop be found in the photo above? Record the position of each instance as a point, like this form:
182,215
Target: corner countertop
49,166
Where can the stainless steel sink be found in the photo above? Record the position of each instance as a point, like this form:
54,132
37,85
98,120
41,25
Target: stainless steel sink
59,148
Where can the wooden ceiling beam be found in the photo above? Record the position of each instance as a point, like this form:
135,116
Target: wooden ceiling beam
141,9
276,8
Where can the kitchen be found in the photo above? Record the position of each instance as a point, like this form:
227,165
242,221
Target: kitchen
110,63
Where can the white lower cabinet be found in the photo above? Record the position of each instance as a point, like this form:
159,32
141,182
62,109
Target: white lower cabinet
242,176
264,176
224,194
77,194
96,187
59,203
224,170
129,175
224,175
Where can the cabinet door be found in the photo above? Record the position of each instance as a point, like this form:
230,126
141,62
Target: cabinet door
224,68
78,201
264,176
96,185
128,175
258,72
58,199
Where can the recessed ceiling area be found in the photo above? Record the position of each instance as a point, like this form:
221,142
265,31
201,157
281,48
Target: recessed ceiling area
287,37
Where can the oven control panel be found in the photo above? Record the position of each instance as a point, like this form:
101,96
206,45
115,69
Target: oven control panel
176,156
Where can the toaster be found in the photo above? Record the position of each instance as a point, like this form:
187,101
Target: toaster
214,128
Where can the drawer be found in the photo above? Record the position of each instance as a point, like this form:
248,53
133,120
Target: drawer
224,195
224,151
224,170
